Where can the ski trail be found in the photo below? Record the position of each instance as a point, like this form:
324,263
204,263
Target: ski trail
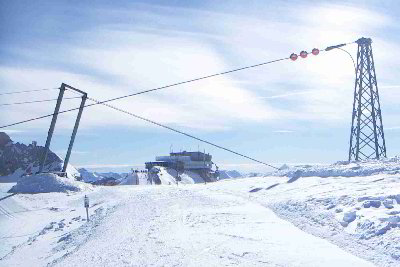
169,226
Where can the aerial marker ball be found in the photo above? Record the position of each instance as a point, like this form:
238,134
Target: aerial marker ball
293,56
315,51
303,54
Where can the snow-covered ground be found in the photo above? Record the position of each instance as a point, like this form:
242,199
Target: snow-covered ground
342,168
300,220
186,225
225,223
359,214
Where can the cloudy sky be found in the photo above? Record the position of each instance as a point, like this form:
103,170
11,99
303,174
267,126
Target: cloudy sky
286,112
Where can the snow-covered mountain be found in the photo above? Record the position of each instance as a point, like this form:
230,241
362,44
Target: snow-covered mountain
229,174
88,176
17,159
112,178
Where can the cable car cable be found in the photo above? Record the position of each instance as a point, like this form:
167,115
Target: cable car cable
28,91
180,132
36,101
147,91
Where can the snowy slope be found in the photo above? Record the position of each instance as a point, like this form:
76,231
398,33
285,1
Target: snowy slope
189,225
359,214
260,221
168,176
133,179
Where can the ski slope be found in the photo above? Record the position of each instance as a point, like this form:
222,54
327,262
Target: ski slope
218,224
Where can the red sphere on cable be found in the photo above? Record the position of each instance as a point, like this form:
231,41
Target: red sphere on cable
315,51
293,56
303,54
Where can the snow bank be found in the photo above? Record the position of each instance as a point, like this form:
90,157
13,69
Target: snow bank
46,183
342,168
14,177
360,214
53,167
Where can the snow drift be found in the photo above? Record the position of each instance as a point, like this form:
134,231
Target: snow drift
342,168
46,183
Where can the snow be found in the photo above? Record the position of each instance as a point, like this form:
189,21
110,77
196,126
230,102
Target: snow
45,183
167,176
232,174
133,179
337,209
342,168
188,225
21,174
257,221
89,176
14,177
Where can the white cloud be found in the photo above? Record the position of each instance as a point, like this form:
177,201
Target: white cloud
121,58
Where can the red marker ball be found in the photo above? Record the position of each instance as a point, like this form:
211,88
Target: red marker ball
315,51
293,56
303,54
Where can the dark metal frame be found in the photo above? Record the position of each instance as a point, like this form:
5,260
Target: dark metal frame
53,124
367,139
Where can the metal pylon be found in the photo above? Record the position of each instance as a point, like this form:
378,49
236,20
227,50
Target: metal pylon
367,140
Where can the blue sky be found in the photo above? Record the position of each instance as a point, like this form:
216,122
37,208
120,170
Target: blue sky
288,112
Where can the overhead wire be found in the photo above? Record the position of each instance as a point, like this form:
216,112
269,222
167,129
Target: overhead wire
36,101
28,91
180,132
352,59
193,80
164,87
147,91
97,102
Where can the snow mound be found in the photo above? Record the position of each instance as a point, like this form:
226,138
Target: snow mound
21,173
343,168
46,183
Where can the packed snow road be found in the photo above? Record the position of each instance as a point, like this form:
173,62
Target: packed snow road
194,226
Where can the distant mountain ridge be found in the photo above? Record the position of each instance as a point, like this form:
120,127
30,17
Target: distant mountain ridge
225,174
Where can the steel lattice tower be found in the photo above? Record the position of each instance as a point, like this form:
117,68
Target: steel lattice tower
367,140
